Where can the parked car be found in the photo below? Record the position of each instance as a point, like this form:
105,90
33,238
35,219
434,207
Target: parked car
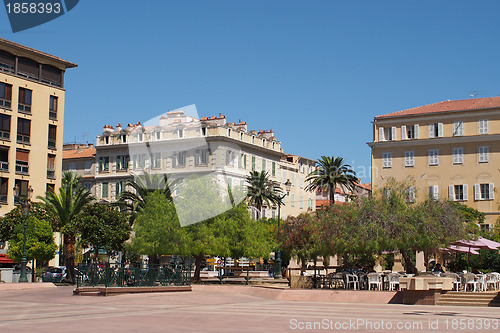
55,274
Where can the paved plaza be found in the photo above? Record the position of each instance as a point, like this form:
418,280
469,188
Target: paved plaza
224,309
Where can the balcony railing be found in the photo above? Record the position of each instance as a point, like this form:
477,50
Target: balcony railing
23,138
4,135
24,108
4,166
53,115
51,144
5,103
22,169
6,68
51,174
3,198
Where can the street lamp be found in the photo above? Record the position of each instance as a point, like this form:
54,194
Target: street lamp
25,205
277,274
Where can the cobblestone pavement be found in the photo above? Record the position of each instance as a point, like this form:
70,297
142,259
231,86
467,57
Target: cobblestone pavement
220,309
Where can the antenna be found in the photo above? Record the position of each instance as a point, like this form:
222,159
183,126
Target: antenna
475,93
84,135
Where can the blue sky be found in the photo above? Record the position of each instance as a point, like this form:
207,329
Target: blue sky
316,72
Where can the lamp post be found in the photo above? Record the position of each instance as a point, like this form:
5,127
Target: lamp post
25,205
277,274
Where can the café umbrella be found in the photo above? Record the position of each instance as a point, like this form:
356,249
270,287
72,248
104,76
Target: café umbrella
480,243
463,249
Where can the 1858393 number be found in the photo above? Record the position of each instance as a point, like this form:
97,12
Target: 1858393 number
33,8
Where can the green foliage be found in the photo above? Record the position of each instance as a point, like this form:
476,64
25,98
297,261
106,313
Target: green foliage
102,226
331,172
469,214
15,218
157,229
40,243
262,190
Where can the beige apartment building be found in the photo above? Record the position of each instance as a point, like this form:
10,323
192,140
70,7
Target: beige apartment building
31,121
80,159
450,149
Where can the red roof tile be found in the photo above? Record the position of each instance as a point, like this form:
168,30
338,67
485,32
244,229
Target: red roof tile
75,153
448,106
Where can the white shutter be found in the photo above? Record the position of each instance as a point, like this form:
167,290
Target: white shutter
492,191
403,132
451,193
440,130
381,134
431,130
436,192
415,129
466,192
477,192
393,131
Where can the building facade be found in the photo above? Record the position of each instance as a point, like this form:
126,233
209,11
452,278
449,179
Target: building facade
31,121
449,150
80,159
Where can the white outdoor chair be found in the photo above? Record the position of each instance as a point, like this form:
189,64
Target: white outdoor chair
352,279
374,279
497,276
394,281
457,283
490,280
470,279
481,281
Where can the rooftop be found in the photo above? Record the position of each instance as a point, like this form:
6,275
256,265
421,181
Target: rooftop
80,152
448,106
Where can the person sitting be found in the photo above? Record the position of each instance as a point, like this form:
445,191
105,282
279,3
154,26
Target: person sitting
437,269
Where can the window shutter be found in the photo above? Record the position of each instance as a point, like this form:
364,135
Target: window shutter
415,128
431,130
477,192
466,192
380,134
22,155
407,159
451,192
440,130
492,191
431,192
393,132
403,133
435,189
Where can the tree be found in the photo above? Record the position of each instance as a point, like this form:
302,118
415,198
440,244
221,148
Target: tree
331,172
262,190
65,205
134,200
14,218
102,226
40,243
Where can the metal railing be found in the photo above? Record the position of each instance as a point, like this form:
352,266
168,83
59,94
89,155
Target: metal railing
133,275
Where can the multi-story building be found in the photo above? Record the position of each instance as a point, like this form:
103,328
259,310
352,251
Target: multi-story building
360,190
80,159
449,149
31,121
189,146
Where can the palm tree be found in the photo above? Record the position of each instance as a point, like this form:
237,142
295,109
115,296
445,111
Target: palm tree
65,205
134,200
330,173
261,189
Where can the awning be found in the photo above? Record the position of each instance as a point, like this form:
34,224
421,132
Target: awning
5,260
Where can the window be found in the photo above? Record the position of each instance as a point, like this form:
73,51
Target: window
458,129
273,169
7,62
310,203
458,192
245,161
156,161
436,130
409,132
23,130
204,131
228,132
253,163
180,133
50,188
87,186
253,139
409,158
22,161
24,104
434,192
72,166
301,202
106,139
139,161
4,159
53,107
4,127
5,95
119,188
229,158
202,156
301,182
104,190
88,166
292,200
410,194
179,159
27,68
124,138
263,165
4,189
23,186
263,142
122,162
51,166
483,126
483,154
140,137
387,133
241,136
51,75
293,179
386,193
104,164
387,160
458,156
157,135
434,157
230,183
52,137
484,191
